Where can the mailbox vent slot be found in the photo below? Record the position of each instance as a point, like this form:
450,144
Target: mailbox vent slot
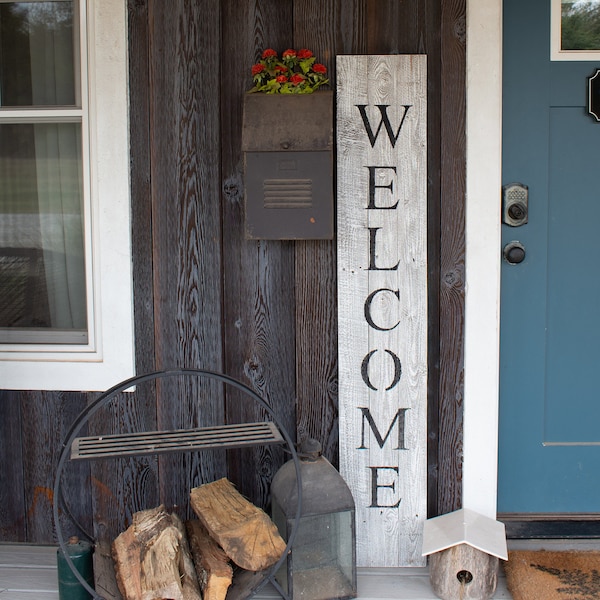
287,193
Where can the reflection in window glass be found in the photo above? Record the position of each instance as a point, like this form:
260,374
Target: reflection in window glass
580,25
37,66
42,264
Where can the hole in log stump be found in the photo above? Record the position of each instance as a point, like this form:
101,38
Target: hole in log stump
464,577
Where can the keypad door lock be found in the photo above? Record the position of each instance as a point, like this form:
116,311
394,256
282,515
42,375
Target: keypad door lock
515,200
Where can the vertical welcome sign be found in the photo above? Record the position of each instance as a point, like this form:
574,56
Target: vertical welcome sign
382,301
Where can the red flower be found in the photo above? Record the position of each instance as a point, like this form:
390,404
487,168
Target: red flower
289,72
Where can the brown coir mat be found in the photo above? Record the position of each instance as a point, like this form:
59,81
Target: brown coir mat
546,575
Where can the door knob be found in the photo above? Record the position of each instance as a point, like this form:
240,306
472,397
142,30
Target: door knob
514,253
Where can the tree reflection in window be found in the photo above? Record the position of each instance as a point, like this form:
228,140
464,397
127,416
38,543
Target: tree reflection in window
580,25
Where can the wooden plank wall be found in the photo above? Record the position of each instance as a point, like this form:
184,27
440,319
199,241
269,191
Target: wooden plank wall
263,312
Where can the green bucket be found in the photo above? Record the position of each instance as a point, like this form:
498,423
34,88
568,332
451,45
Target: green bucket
69,587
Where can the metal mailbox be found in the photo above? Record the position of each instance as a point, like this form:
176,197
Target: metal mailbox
287,141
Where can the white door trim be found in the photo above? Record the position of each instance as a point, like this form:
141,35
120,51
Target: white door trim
482,302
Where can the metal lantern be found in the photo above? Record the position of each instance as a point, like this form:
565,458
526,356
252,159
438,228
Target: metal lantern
322,562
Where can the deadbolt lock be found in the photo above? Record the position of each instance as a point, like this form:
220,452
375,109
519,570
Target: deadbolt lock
515,200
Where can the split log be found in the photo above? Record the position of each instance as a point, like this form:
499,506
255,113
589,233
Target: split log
244,531
152,559
212,564
104,571
189,580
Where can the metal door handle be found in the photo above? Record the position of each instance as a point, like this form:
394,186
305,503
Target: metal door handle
514,253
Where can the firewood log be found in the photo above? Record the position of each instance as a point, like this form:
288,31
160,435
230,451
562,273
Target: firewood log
212,564
152,559
244,531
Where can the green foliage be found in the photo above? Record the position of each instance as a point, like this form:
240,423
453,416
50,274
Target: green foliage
580,27
296,72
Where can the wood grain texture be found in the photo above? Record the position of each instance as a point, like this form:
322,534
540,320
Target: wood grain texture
437,28
185,53
141,198
245,532
452,256
213,569
382,283
12,501
315,261
121,488
483,568
104,571
431,36
184,65
264,312
153,560
316,339
258,276
48,418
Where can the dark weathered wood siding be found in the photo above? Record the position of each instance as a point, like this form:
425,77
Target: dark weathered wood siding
263,312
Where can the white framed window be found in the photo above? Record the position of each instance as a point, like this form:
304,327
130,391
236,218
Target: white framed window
575,30
66,304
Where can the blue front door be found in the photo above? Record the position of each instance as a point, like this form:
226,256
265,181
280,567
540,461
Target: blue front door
549,449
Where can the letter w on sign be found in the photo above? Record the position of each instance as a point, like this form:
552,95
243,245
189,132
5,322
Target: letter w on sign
385,121
382,301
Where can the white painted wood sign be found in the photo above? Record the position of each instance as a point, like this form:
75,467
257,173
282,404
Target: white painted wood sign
382,298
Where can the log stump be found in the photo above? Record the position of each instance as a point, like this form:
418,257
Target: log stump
463,572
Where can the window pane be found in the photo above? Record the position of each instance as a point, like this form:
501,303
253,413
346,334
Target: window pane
580,25
37,56
42,263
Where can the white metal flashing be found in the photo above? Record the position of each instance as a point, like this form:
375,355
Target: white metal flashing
465,526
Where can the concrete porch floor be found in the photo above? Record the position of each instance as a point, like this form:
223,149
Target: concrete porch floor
29,573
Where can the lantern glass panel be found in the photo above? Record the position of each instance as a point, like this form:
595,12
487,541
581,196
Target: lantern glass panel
320,566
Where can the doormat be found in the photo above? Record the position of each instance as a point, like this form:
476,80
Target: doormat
546,575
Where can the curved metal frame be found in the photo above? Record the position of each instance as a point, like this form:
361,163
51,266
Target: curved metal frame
106,397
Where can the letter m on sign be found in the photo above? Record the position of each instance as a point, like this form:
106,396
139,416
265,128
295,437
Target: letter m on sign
399,420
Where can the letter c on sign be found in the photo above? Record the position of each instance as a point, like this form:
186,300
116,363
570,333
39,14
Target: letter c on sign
368,302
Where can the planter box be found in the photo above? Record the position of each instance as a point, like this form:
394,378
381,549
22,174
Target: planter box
287,142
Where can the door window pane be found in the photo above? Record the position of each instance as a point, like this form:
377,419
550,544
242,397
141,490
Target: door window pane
42,260
580,25
37,56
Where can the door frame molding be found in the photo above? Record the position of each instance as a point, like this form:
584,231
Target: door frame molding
482,255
